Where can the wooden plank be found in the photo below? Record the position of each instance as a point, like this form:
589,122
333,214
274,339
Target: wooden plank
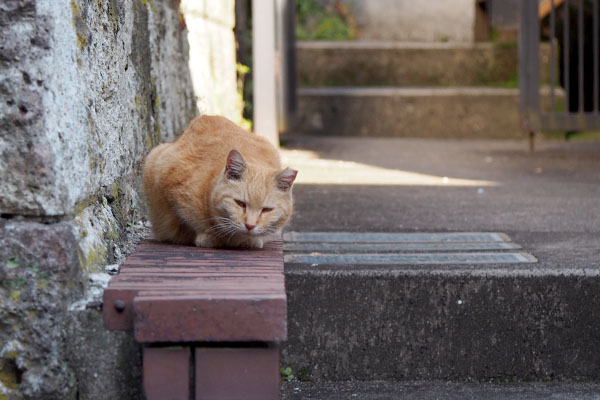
167,292
262,318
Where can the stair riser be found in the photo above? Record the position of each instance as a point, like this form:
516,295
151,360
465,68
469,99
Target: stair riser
454,116
456,113
411,326
357,64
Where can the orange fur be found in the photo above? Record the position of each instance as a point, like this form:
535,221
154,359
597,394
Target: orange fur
200,192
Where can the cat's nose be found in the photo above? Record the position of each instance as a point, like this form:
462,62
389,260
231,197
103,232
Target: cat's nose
250,227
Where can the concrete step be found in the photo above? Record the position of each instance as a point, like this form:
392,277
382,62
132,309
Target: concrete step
438,391
439,319
461,112
364,63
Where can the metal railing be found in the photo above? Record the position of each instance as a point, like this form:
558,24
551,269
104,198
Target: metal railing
572,101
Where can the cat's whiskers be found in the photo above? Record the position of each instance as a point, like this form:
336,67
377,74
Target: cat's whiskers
226,228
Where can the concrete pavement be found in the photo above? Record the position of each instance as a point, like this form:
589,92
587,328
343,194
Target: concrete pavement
401,323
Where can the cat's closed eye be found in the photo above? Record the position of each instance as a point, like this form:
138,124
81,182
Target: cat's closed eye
267,209
240,203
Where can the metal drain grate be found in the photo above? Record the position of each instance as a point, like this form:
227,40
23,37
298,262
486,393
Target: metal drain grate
344,248
395,247
373,237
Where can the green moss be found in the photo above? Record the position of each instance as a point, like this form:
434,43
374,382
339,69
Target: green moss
77,23
33,266
113,232
95,257
10,375
157,135
75,11
148,141
315,21
304,374
150,3
511,83
42,279
15,295
573,136
12,263
115,190
83,204
92,164
15,283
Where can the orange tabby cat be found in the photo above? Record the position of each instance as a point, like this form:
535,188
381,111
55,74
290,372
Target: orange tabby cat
217,185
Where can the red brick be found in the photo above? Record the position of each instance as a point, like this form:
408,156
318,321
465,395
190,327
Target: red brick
166,373
237,373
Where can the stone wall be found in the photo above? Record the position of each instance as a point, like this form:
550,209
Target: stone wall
87,87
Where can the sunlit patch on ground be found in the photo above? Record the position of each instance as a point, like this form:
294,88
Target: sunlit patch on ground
315,170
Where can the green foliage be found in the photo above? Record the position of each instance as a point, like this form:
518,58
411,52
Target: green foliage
287,374
573,136
245,90
317,22
12,263
14,284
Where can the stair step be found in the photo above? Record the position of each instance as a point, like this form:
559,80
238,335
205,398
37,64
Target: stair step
461,112
368,63
456,320
438,391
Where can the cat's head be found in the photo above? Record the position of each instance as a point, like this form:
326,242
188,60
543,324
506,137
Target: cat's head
251,200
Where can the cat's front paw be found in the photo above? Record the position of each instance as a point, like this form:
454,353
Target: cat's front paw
254,243
203,240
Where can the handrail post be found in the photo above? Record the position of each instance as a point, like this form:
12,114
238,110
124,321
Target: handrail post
529,66
264,71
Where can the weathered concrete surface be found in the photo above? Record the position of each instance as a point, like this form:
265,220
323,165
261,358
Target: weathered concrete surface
109,364
429,21
213,56
529,321
86,89
460,112
439,390
390,323
362,63
40,280
369,63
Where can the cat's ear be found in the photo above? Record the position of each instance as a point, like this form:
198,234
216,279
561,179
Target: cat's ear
285,179
235,165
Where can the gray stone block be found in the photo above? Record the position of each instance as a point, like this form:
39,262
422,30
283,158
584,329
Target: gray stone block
81,103
40,279
107,365
477,113
86,89
437,390
395,324
363,63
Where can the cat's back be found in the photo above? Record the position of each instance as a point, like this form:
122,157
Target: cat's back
213,137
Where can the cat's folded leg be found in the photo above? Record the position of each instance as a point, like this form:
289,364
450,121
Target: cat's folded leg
204,240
